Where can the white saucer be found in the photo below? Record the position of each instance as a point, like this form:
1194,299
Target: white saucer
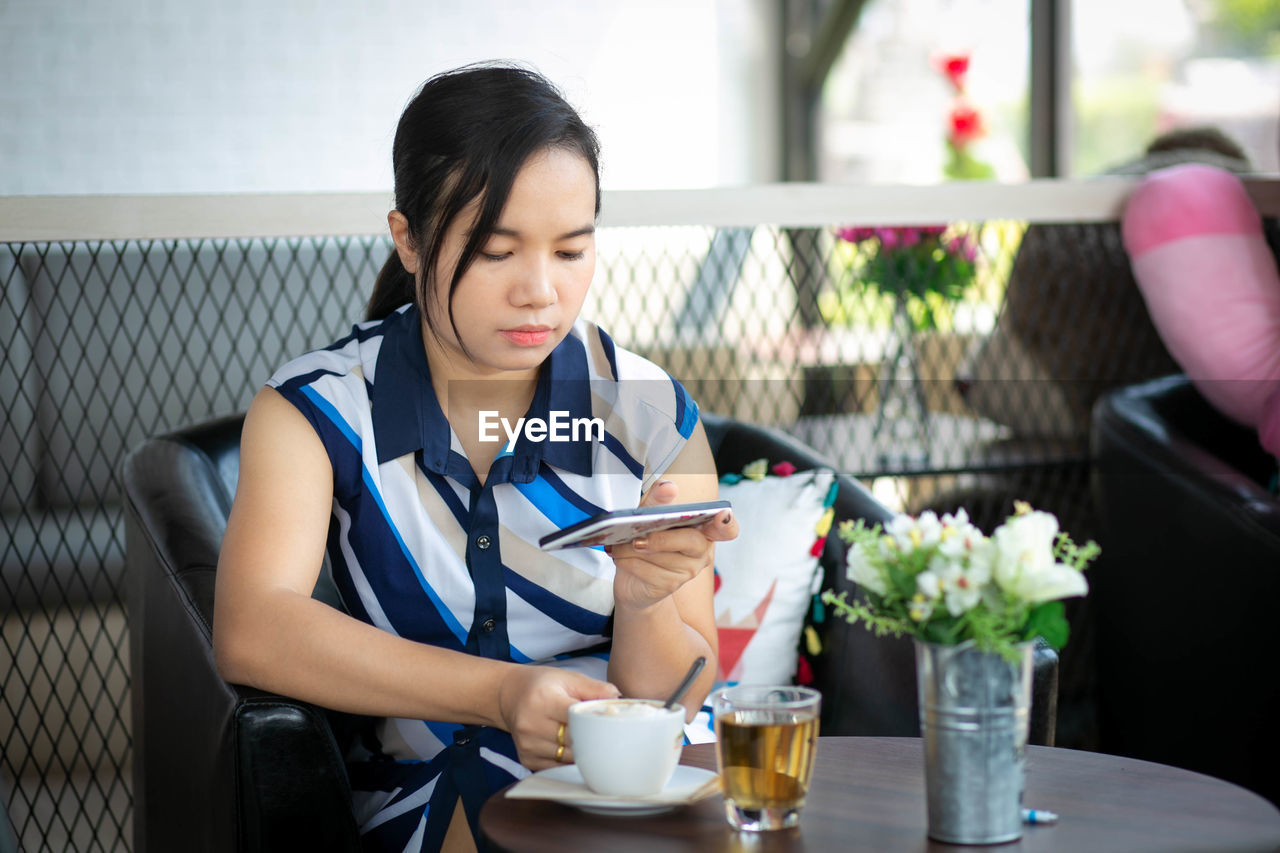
683,783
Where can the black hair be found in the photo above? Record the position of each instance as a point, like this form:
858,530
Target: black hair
465,135
1205,138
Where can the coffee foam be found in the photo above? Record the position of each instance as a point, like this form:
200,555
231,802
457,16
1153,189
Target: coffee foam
627,709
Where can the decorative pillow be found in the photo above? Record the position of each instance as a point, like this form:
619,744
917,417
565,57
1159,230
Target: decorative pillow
1210,282
766,578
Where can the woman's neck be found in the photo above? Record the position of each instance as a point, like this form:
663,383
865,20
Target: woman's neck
464,388
464,393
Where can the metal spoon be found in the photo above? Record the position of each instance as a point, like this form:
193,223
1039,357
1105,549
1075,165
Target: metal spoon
686,682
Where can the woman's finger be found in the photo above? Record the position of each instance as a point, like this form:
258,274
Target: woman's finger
666,562
722,528
689,541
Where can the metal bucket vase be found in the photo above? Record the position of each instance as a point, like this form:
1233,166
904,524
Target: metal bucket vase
974,711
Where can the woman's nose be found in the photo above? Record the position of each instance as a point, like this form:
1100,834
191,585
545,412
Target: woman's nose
536,287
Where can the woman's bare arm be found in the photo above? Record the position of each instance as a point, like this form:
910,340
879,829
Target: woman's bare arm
663,617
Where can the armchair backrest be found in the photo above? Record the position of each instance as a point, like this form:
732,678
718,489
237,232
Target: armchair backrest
1186,585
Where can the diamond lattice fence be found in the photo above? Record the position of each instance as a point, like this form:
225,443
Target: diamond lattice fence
944,367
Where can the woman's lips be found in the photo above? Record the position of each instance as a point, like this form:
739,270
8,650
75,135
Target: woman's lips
527,336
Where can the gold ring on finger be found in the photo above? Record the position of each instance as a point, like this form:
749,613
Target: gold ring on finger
640,543
559,753
560,736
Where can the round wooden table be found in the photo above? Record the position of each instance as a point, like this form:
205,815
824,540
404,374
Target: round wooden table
868,794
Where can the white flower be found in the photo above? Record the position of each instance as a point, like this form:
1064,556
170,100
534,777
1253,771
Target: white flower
961,541
909,533
1022,563
863,572
957,521
920,608
950,579
929,584
930,529
963,594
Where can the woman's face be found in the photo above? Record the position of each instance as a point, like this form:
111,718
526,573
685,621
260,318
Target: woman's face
522,293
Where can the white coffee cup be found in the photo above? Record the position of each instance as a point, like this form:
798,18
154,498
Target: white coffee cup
626,747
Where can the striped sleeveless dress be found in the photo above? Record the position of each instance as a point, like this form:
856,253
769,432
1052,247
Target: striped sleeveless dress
420,548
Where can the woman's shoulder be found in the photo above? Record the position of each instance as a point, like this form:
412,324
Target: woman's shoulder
352,356
632,385
610,362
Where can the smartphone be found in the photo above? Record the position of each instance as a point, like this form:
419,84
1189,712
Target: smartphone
619,526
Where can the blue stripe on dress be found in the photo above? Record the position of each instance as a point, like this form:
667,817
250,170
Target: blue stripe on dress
452,502
606,344
359,334
442,732
616,448
686,410
553,479
361,530
568,614
328,410
552,503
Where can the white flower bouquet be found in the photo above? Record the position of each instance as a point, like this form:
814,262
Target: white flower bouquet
941,580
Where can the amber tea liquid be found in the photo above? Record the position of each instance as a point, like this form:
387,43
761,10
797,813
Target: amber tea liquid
766,740
765,765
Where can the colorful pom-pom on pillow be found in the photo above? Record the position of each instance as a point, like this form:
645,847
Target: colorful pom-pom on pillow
767,577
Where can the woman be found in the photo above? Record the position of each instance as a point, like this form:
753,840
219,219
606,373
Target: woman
371,453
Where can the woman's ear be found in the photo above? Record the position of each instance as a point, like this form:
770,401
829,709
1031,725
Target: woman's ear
404,242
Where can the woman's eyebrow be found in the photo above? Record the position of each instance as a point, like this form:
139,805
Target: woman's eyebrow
584,231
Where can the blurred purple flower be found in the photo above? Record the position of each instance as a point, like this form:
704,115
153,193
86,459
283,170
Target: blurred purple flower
855,235
964,246
892,237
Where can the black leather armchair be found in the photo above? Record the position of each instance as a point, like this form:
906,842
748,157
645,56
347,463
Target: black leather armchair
1186,588
216,766
222,767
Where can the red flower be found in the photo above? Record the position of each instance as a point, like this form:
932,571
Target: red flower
965,125
955,67
783,469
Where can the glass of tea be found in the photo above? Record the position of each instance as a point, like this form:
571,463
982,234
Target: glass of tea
766,739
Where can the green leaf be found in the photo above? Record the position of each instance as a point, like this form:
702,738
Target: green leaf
1048,620
903,583
942,630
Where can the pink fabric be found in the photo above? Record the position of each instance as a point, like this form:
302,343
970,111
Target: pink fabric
1189,200
1215,300
1211,287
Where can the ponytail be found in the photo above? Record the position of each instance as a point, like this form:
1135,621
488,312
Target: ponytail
394,287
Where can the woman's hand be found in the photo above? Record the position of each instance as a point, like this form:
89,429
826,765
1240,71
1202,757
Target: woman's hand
652,567
534,703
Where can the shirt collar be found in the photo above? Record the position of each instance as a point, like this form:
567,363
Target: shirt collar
407,416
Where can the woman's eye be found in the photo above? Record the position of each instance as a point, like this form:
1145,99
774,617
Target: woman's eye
494,256
573,256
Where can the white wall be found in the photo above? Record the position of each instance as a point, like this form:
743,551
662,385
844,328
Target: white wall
171,96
